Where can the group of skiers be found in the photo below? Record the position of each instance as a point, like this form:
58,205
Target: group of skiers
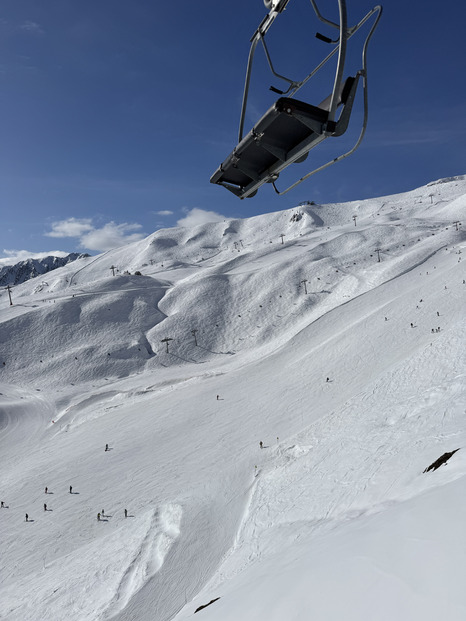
102,514
99,515
46,491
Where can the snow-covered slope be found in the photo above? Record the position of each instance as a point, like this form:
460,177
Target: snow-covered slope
333,334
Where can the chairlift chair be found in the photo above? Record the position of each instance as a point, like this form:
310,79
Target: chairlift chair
291,128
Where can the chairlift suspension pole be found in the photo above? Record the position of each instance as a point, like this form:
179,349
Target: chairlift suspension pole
8,288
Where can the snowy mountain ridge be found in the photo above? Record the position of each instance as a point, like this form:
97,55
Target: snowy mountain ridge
333,334
30,268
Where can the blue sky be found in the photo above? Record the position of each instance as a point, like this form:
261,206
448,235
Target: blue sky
115,113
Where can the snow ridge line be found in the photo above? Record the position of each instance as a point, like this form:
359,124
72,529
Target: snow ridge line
222,575
162,531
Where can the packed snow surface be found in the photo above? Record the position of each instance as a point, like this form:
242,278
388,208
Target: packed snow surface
332,334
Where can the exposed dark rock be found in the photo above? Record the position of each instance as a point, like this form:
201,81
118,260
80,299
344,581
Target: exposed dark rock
440,461
205,605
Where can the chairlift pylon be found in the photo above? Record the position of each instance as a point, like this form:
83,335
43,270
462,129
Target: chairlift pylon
291,128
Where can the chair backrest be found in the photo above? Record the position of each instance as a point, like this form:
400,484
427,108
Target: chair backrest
342,94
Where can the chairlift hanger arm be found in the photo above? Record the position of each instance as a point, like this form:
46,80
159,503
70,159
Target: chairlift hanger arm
275,7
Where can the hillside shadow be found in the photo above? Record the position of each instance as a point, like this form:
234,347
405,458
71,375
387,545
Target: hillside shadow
186,359
164,242
220,353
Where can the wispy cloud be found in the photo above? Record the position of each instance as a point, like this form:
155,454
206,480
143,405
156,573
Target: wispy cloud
429,128
197,216
106,237
164,212
32,28
409,138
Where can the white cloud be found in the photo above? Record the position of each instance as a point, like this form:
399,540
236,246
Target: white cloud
109,236
164,212
73,227
197,216
15,256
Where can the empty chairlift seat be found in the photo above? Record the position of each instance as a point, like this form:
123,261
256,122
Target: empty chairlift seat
284,135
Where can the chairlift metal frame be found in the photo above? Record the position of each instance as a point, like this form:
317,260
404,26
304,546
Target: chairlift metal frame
269,144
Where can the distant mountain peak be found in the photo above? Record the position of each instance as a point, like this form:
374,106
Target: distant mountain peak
30,268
